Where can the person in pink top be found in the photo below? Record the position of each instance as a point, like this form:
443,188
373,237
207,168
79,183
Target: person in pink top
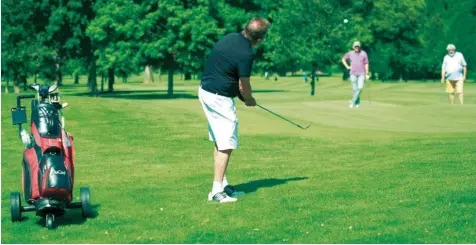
359,71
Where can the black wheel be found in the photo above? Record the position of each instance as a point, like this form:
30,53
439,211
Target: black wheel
86,202
50,221
15,206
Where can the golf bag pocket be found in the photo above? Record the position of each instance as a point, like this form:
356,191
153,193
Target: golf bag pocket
30,175
56,180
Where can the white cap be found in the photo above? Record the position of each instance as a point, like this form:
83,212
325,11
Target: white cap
356,43
450,46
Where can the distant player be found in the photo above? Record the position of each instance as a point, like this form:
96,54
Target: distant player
359,71
454,72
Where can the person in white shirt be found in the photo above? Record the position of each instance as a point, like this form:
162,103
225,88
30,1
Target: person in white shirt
454,72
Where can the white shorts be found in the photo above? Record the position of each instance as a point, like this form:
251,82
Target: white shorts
222,120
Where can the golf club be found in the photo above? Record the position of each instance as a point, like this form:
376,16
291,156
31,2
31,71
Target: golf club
301,127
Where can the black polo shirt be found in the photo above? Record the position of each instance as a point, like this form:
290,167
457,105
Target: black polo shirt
230,59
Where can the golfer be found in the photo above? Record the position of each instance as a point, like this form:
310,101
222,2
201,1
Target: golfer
359,71
227,75
454,72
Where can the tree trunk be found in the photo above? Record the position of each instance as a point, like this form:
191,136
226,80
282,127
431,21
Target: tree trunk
76,79
124,77
92,83
381,76
345,75
188,76
16,86
313,81
102,82
160,73
6,87
148,75
170,90
23,80
110,82
59,76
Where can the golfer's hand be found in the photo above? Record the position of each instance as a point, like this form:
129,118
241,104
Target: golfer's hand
442,80
367,77
250,102
241,97
464,79
349,67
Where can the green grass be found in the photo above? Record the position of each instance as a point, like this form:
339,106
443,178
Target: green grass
400,169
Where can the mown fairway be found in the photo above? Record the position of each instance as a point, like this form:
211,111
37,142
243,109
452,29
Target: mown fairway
400,169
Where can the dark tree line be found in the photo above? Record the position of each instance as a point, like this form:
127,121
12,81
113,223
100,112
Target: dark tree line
117,38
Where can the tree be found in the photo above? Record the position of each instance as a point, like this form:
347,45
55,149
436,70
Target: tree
190,34
450,23
114,32
306,32
23,52
64,30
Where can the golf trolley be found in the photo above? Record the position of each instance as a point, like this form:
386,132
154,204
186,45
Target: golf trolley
48,160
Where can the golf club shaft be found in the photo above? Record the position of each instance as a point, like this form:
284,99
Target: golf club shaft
279,116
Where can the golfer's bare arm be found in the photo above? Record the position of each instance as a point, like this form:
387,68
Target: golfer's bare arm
442,74
366,69
443,71
465,70
245,88
344,62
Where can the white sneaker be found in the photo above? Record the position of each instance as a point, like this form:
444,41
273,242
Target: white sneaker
221,197
357,106
351,106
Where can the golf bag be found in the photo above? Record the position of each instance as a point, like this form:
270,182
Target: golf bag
48,162
48,159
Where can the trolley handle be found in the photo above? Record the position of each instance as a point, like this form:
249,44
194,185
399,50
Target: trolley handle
20,97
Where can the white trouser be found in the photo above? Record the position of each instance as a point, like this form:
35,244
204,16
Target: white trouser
357,82
222,120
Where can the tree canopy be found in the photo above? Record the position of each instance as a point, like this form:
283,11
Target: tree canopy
404,39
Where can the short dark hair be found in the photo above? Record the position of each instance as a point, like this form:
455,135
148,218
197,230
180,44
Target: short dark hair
257,28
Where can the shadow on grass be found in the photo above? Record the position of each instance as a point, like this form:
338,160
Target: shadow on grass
269,91
154,94
254,185
125,92
72,217
142,95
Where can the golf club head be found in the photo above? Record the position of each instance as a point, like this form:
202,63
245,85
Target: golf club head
306,127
